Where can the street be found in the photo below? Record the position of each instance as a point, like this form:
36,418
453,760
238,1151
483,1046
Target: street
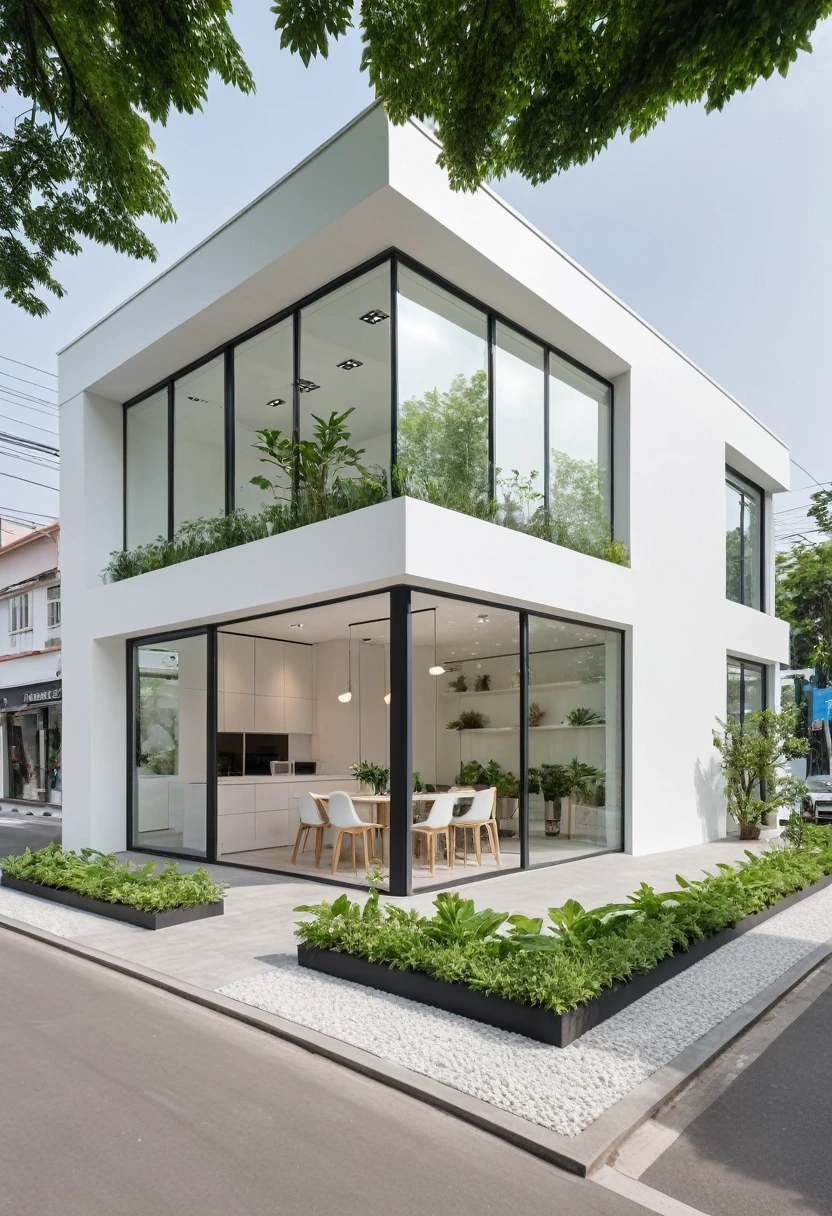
120,1099
18,831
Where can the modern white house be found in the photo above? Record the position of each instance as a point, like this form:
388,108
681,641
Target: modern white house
30,672
565,565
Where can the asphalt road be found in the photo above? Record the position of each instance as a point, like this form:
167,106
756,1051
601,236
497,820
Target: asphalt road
119,1099
18,831
762,1148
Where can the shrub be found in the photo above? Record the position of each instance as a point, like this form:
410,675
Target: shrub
581,951
103,876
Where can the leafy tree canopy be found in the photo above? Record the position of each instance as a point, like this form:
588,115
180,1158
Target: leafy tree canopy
804,594
85,78
534,86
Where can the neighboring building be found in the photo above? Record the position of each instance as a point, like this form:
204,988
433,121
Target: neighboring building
209,697
30,671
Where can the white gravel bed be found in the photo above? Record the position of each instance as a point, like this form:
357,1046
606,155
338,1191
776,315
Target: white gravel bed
43,914
561,1089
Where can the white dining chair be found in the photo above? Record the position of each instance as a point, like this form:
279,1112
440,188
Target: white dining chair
344,819
438,823
310,817
480,814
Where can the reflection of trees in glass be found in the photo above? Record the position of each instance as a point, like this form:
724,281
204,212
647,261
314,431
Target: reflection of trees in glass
577,503
443,444
158,726
733,566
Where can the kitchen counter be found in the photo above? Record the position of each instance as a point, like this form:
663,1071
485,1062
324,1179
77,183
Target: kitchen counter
291,778
262,812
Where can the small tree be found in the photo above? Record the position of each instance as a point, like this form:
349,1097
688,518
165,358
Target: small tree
754,755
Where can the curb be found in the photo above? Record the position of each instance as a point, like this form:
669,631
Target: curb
580,1154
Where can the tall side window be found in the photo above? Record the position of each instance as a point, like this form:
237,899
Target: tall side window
146,470
53,606
519,402
19,613
746,689
263,392
743,541
580,481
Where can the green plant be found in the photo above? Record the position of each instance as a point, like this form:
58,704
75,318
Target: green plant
536,714
583,779
584,717
418,783
581,951
102,876
469,719
376,776
753,756
318,464
482,683
554,782
472,773
460,684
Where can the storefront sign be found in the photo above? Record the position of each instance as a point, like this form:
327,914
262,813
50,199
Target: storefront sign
820,704
30,696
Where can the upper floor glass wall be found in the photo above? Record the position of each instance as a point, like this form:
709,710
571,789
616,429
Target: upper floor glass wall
743,542
443,395
485,420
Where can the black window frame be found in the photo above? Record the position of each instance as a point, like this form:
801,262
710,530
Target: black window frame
738,482
744,665
395,258
401,735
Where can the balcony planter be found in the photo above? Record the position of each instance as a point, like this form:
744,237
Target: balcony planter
123,912
558,1030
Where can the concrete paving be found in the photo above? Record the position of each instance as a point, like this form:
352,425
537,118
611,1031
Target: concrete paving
119,1099
17,832
760,1149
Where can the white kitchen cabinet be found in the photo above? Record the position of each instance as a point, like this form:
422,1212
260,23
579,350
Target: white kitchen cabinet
269,660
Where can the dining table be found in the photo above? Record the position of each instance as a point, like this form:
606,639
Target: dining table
380,803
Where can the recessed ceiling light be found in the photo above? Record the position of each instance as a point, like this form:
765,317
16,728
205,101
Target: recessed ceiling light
203,400
297,625
483,618
276,401
349,364
307,386
375,316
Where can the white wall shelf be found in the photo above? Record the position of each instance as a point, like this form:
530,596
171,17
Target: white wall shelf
502,730
490,692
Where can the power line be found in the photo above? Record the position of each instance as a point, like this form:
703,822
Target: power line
29,481
26,396
30,366
34,444
46,430
40,514
23,380
23,405
806,471
41,464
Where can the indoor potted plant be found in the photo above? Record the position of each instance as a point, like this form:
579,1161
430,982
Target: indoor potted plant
554,786
374,776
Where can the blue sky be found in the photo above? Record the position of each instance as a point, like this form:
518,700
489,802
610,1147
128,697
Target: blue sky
714,228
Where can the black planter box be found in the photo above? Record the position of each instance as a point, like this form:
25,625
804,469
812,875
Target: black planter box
133,916
559,1030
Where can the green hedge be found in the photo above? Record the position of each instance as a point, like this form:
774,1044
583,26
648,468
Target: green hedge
103,876
580,952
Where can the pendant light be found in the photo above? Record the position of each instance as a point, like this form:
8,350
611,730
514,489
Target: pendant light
437,669
344,697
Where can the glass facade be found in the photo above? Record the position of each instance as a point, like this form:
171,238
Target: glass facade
25,756
486,420
442,441
146,470
743,542
170,732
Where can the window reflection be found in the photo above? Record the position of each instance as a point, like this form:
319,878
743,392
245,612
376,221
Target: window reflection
262,398
199,443
443,396
743,536
146,489
519,422
579,440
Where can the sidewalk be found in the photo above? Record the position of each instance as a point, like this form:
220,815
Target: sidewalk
571,1106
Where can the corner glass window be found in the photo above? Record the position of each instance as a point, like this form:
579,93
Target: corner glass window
443,396
746,689
146,489
199,444
262,399
743,542
345,364
519,402
580,419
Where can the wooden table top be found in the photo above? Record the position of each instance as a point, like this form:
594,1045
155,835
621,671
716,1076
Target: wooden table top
380,798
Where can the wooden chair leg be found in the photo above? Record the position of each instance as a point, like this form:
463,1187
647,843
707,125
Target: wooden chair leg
495,841
319,844
432,852
301,827
449,849
352,842
478,842
336,851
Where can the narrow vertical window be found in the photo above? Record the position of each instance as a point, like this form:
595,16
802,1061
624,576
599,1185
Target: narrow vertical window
743,541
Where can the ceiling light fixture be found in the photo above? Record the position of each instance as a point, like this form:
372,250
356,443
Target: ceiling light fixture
276,401
202,400
437,669
375,316
297,625
307,386
483,618
344,697
349,364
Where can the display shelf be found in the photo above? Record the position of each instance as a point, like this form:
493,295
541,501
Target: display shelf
502,730
490,692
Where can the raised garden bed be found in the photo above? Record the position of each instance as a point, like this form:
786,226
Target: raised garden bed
558,1030
116,911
